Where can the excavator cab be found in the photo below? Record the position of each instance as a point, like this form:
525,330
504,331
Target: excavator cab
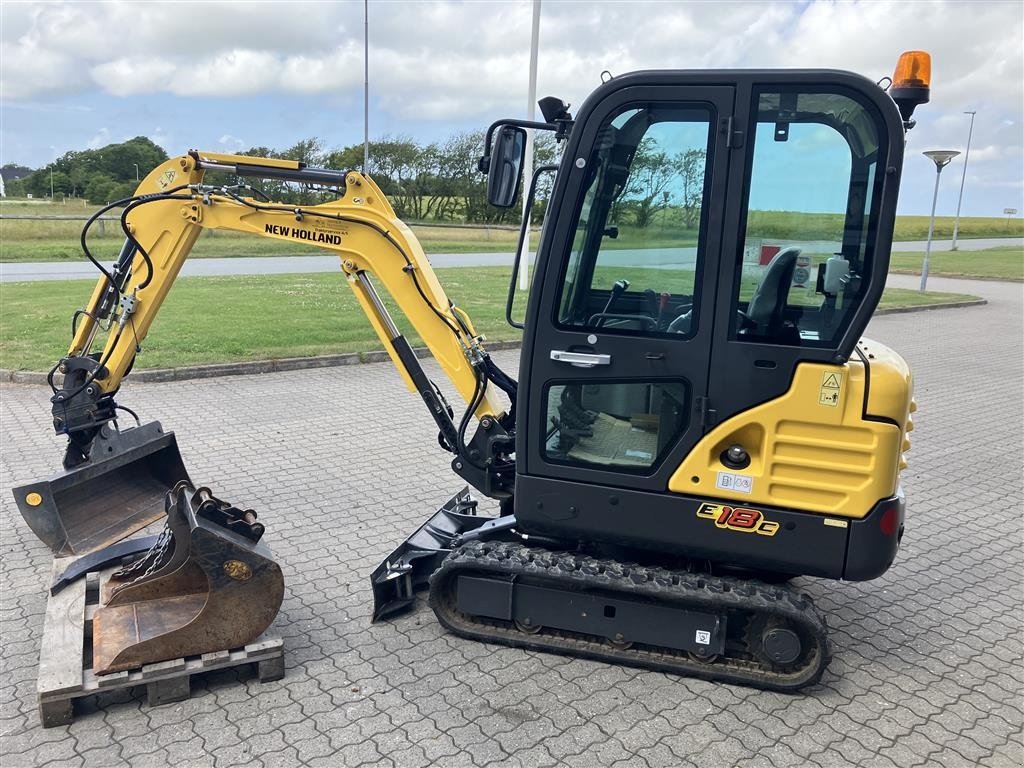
712,241
694,409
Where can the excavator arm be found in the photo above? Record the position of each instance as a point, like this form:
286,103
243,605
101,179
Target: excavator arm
162,223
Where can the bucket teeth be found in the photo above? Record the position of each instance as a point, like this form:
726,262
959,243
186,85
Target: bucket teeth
206,585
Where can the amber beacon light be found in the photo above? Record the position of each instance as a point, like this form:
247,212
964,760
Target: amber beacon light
910,81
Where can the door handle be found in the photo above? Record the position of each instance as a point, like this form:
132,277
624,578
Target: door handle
580,359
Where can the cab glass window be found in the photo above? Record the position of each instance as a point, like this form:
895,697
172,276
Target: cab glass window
627,425
806,254
635,256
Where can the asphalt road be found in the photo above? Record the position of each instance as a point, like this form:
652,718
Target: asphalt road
276,265
342,464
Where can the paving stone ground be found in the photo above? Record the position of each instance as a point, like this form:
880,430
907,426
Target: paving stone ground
342,464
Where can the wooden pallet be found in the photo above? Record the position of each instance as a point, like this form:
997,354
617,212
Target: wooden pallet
65,658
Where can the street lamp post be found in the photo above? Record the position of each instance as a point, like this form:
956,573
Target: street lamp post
136,171
531,106
53,149
963,178
941,158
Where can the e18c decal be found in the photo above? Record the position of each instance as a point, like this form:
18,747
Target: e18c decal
738,519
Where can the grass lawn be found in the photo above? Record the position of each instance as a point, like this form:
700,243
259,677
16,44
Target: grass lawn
33,241
1003,263
38,239
220,319
895,298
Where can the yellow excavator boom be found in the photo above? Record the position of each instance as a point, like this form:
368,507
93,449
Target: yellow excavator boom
360,226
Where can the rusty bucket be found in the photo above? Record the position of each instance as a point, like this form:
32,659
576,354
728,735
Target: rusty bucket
207,585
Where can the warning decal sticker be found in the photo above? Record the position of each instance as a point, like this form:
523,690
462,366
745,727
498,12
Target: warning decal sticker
166,179
831,391
730,481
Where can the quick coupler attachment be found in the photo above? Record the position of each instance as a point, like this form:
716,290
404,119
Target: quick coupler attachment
206,585
407,569
117,491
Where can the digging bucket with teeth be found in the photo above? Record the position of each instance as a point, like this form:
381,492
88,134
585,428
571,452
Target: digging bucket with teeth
207,585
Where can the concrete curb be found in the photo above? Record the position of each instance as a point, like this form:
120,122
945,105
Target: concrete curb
947,276
926,307
247,368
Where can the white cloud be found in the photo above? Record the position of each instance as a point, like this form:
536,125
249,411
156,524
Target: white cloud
160,137
231,143
991,152
131,76
468,57
29,68
101,139
459,62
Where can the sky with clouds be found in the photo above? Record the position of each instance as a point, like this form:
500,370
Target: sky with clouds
229,75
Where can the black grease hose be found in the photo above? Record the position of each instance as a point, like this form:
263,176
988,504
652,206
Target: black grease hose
131,202
140,201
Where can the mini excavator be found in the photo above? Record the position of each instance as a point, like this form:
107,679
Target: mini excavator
697,417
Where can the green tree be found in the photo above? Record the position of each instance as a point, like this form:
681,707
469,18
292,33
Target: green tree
103,189
407,167
78,172
349,158
451,188
546,151
308,151
61,183
13,172
690,165
650,174
119,160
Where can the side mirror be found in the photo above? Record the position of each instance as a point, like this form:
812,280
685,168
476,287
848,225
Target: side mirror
505,168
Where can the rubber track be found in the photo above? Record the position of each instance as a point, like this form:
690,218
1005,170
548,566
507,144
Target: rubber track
739,598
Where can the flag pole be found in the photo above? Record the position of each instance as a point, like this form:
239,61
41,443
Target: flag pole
366,86
531,107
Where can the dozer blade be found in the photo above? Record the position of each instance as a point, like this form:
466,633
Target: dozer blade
207,585
116,492
408,568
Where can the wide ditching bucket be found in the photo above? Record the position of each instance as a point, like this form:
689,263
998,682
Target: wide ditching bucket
207,585
117,491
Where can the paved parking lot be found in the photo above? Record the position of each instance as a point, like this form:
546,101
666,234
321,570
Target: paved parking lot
342,463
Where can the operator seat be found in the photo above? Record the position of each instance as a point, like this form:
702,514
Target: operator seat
764,313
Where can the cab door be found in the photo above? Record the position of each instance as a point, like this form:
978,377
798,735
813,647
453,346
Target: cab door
808,231
618,337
